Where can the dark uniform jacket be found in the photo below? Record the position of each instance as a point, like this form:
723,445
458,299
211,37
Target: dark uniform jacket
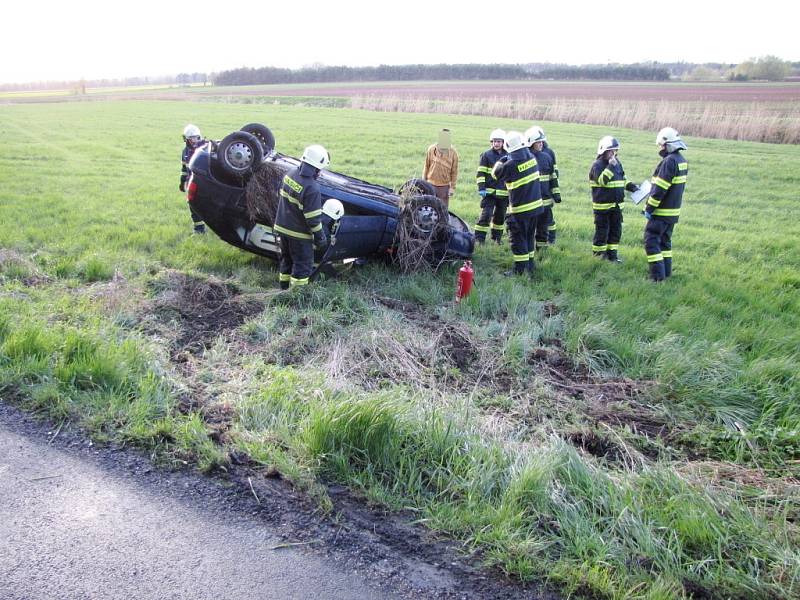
520,174
545,164
300,207
608,184
554,177
186,156
669,180
485,179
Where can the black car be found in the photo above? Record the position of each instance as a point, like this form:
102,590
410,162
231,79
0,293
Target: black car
234,188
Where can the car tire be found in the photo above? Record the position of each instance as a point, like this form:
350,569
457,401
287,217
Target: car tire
425,216
239,154
263,134
416,187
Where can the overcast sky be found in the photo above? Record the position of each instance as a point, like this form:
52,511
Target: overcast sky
49,40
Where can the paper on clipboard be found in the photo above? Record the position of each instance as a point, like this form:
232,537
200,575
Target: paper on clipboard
643,192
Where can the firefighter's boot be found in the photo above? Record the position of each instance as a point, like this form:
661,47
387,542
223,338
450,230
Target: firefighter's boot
657,270
520,268
480,237
531,267
667,267
613,256
551,237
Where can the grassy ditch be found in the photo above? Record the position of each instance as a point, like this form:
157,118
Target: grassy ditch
619,439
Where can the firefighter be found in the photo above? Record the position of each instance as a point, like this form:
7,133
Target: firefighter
192,141
555,190
494,195
299,218
441,167
664,204
520,174
607,178
535,139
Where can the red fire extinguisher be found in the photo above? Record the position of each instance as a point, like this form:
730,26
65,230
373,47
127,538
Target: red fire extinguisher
464,281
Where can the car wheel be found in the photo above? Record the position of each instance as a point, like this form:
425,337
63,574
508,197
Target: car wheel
262,134
425,216
416,187
239,153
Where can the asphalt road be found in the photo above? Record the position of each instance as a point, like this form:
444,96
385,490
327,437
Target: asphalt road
73,527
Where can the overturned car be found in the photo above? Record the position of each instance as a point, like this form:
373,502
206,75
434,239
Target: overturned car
235,186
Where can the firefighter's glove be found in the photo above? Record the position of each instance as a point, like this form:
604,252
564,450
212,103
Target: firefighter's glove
646,214
557,198
320,239
482,193
631,187
182,186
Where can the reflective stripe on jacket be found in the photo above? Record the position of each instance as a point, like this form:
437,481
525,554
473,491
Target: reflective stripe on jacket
669,181
545,164
608,184
300,204
485,179
520,174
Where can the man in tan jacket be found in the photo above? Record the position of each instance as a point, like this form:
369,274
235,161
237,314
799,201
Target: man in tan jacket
441,167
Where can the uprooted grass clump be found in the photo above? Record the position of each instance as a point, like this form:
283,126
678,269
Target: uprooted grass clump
422,232
262,193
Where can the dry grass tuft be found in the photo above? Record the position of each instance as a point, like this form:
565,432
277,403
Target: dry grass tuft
13,265
775,122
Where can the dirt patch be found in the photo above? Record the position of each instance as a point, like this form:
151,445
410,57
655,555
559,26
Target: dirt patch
597,445
576,381
451,344
639,419
195,311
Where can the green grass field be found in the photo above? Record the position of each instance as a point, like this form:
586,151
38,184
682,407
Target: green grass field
616,438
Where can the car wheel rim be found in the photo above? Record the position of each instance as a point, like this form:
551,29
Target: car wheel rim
239,156
425,218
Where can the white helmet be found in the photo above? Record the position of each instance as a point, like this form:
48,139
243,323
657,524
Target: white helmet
333,208
607,143
534,134
497,134
316,156
514,141
667,135
191,131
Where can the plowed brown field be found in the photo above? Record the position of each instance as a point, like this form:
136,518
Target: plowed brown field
734,92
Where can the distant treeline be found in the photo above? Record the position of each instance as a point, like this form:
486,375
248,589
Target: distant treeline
180,79
321,74
441,72
606,72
